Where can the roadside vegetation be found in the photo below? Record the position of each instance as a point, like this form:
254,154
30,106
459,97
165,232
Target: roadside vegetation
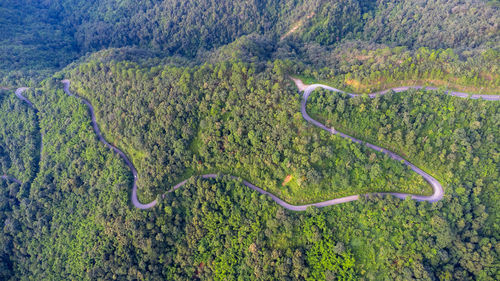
228,118
366,71
186,87
19,138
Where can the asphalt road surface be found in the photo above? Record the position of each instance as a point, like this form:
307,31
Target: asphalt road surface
437,187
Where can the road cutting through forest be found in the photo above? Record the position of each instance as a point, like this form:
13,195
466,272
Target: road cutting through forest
307,90
11,178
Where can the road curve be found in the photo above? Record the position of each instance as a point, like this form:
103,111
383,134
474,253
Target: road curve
114,148
19,94
11,178
153,203
447,92
436,196
302,87
436,186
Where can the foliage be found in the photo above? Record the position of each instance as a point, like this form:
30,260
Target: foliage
41,37
452,138
216,118
202,86
359,69
33,43
75,222
434,24
19,138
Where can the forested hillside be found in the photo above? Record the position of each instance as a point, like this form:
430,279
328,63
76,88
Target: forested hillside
361,70
78,211
453,138
185,88
40,37
19,138
33,42
229,118
435,24
187,26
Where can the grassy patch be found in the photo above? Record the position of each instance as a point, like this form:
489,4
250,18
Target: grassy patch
195,144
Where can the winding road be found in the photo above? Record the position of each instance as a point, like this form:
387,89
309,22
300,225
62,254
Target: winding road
19,94
11,178
436,186
307,89
302,87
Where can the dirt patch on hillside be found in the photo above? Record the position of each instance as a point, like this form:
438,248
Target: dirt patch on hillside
287,180
299,84
297,25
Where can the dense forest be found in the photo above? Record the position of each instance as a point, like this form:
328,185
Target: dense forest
19,138
453,138
77,209
186,88
368,70
40,37
33,43
219,229
186,26
217,118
